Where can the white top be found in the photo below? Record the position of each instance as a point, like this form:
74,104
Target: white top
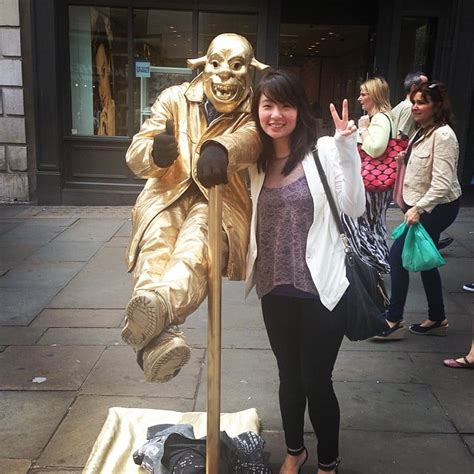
324,249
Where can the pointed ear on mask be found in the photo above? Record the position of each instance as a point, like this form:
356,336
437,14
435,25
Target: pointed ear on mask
194,63
258,65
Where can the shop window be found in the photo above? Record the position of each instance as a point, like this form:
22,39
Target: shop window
417,43
213,24
98,65
162,44
330,60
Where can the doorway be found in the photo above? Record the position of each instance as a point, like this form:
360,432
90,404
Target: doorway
332,50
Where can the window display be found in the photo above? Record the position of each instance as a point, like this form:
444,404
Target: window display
162,45
98,59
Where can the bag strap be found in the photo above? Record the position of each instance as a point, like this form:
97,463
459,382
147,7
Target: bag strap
390,122
411,143
332,204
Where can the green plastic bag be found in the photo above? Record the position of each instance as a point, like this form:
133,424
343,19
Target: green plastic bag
419,251
398,231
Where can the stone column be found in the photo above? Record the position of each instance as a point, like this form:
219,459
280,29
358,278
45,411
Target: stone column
13,150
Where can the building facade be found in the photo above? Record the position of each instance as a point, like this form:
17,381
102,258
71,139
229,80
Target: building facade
78,77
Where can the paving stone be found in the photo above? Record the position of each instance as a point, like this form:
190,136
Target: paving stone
65,318
235,315
66,252
370,406
21,305
416,300
13,254
231,338
457,402
36,231
374,367
84,421
40,275
125,229
98,230
102,283
14,466
454,276
117,372
18,336
357,457
249,379
469,440
2,348
118,242
467,243
64,367
86,212
28,421
13,210
82,337
7,225
379,451
54,470
411,343
429,368
456,250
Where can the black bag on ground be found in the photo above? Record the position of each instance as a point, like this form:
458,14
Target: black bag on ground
366,297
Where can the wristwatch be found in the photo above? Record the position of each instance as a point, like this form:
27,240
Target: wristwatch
419,209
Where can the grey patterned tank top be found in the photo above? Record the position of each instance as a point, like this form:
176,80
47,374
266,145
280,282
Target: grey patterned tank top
284,217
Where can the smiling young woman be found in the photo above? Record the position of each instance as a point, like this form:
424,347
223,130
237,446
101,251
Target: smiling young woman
297,267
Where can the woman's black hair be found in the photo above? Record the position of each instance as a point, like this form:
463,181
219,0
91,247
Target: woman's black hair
285,88
436,93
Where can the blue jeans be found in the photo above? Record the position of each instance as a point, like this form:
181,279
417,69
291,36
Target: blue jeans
440,218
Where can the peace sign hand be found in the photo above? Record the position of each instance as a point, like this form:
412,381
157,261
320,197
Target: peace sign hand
343,125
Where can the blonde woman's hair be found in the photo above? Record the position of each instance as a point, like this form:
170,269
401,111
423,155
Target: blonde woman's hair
377,88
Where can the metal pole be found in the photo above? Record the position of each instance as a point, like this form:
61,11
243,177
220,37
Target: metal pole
214,331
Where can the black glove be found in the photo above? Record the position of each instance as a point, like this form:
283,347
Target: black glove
165,148
212,165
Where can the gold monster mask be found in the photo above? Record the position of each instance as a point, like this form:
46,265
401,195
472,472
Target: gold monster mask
228,70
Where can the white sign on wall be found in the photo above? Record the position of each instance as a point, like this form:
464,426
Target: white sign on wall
142,68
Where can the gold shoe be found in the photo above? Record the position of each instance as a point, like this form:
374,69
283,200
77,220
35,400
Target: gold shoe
145,319
165,356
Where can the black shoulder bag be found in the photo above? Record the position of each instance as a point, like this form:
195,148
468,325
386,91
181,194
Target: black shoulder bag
366,296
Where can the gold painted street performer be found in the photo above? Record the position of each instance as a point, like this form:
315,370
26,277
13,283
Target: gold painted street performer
200,134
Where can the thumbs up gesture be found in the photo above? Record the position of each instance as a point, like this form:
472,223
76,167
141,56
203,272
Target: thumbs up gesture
165,148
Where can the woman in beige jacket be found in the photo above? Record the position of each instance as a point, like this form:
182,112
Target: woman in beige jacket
431,192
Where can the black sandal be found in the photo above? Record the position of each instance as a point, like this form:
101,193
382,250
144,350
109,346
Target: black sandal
329,467
298,452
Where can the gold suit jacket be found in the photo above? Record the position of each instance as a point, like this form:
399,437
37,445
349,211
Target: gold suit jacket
236,131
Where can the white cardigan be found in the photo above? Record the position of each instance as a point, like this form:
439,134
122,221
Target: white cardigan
324,248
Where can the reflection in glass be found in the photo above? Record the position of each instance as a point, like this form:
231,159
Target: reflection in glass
98,63
213,24
416,52
162,44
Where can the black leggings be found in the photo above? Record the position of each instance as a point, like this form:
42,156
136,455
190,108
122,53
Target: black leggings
305,338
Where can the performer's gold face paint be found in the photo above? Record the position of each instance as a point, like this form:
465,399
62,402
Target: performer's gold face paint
226,74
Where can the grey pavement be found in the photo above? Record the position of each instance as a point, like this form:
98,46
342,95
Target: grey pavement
63,289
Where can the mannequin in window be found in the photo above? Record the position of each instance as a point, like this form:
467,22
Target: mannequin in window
104,110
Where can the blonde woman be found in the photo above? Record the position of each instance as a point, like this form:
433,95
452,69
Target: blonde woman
368,232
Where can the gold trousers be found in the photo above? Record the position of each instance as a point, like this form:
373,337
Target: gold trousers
173,259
